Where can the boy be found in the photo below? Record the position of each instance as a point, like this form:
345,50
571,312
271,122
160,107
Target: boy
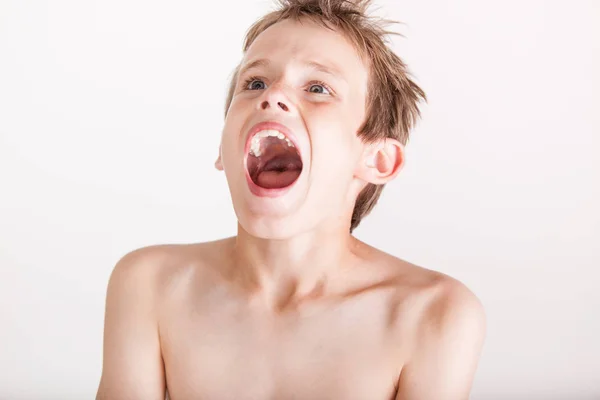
295,307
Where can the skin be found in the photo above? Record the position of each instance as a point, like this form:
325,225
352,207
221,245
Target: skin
293,306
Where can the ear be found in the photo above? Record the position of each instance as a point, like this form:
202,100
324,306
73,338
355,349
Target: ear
219,163
381,161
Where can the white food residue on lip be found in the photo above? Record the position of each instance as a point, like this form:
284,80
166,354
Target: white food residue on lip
256,140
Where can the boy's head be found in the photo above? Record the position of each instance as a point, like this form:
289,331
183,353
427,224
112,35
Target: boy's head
346,105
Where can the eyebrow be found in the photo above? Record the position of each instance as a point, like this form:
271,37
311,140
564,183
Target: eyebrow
329,70
254,64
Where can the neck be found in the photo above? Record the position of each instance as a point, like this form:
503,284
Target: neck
285,271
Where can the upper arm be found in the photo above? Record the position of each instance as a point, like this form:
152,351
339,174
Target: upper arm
447,348
132,366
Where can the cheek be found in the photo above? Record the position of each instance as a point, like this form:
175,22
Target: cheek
335,155
347,115
335,145
236,110
233,126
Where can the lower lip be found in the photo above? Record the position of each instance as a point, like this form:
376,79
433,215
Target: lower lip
263,192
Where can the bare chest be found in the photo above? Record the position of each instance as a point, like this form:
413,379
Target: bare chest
228,353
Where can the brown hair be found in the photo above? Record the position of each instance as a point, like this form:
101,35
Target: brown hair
392,97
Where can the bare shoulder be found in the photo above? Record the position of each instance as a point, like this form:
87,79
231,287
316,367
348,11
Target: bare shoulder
449,306
142,268
132,365
447,327
440,324
436,307
144,261
158,266
440,298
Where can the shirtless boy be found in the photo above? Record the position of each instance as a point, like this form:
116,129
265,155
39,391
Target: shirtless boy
294,306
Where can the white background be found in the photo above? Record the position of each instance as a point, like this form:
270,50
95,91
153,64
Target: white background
110,117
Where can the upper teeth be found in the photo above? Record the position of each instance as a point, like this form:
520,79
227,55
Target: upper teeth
255,144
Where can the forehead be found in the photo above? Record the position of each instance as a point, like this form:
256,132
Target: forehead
291,41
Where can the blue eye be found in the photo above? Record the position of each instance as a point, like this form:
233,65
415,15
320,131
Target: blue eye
255,84
317,88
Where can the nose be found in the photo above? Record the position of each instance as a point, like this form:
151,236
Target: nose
266,105
275,99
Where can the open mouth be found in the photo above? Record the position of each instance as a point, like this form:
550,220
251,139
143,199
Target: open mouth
273,161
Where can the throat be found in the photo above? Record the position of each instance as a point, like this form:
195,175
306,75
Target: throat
277,166
277,179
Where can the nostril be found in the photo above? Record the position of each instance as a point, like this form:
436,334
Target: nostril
265,104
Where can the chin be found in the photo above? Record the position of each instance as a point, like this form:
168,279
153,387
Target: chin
281,216
268,227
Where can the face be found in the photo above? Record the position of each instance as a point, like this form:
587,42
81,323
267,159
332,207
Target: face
303,88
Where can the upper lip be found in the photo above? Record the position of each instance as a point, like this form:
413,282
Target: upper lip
264,125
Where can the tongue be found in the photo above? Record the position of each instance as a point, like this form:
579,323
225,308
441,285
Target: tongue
277,179
277,166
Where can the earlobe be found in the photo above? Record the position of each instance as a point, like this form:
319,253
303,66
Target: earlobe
219,163
382,161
